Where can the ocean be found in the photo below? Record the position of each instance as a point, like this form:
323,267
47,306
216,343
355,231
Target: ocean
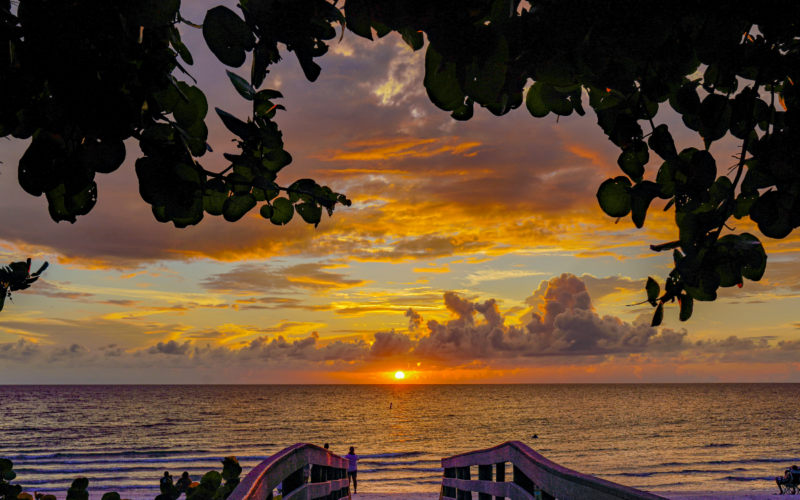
653,437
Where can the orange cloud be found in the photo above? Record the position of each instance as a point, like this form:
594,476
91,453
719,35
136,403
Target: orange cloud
399,148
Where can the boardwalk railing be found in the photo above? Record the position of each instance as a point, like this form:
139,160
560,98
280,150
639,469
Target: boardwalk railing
534,477
327,478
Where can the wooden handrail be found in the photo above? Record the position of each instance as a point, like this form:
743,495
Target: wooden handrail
328,475
534,477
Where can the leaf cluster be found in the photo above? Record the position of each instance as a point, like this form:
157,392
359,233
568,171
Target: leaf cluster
80,78
17,276
724,70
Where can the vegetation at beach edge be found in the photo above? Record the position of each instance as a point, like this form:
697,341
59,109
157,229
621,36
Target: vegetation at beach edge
17,276
212,486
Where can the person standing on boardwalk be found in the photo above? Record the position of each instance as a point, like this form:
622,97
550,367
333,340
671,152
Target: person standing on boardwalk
352,469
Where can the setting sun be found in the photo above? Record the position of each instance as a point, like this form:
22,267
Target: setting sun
399,375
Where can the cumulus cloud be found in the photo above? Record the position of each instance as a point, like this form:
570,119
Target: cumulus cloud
415,320
565,328
566,324
20,350
171,348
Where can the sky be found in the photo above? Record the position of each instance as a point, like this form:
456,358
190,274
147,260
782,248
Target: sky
474,252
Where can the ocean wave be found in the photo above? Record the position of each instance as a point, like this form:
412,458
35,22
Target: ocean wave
406,462
730,462
720,445
154,460
394,455
748,479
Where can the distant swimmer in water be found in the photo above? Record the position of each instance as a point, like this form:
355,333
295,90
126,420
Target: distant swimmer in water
535,436
390,405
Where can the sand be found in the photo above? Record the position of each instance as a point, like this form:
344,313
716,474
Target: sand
672,495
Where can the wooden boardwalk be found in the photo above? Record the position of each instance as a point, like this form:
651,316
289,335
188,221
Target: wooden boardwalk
531,477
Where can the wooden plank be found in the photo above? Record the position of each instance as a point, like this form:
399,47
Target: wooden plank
259,483
500,475
509,490
552,478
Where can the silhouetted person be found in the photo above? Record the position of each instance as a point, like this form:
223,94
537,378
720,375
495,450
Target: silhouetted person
326,446
352,469
166,485
785,479
183,483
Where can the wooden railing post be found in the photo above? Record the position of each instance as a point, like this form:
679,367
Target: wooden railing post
293,481
484,474
500,475
449,491
522,480
463,473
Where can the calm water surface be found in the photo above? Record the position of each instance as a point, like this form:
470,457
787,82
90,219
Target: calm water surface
655,437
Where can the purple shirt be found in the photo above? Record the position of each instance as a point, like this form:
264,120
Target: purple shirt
353,467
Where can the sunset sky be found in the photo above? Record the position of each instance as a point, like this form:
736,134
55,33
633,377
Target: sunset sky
473,252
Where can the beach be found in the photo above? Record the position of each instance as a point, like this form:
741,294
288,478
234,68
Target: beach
672,495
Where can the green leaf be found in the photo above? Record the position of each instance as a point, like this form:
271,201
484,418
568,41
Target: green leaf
310,212
211,479
653,290
111,495
102,157
465,112
658,317
237,206
160,132
614,197
687,306
267,211
149,13
6,464
8,475
228,36
769,213
276,159
755,258
633,159
358,18
413,38
555,101
533,101
214,201
244,130
661,142
485,78
642,195
715,117
441,82
283,211
242,86
178,45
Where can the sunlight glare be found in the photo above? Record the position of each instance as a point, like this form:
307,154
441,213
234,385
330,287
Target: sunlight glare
399,375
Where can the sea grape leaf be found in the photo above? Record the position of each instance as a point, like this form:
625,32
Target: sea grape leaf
614,197
228,36
653,290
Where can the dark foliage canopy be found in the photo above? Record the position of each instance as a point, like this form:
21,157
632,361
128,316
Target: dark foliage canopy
82,76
